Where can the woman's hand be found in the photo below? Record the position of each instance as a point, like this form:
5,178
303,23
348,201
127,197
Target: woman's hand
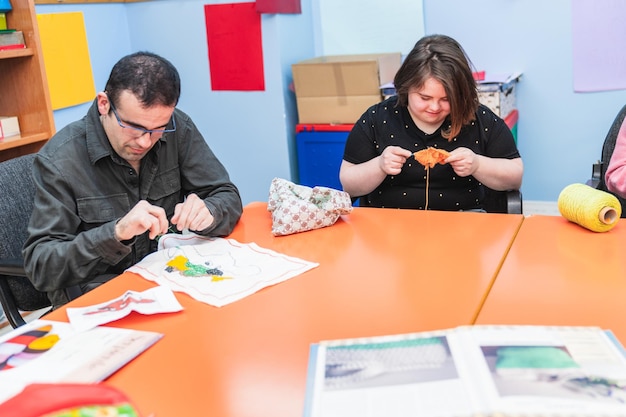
463,161
393,159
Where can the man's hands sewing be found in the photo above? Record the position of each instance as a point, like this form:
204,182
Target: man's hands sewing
141,218
191,214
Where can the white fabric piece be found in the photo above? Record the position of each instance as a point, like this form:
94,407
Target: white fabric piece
245,268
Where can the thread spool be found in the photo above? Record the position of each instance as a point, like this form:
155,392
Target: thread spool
592,209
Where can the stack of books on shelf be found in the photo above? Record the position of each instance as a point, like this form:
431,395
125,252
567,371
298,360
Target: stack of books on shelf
11,39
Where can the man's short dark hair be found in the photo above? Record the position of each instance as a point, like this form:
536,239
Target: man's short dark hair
152,79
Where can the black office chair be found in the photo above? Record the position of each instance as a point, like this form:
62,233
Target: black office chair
503,201
17,191
599,168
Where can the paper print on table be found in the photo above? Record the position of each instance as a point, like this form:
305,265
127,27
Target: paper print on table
547,371
26,346
599,45
469,371
235,47
45,351
66,55
152,301
217,271
396,362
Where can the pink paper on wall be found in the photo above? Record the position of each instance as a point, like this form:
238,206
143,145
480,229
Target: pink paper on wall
278,6
235,47
599,45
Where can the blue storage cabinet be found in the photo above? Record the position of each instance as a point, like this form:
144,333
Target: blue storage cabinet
320,152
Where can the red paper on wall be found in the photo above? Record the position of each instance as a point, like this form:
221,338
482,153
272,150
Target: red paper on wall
278,6
235,47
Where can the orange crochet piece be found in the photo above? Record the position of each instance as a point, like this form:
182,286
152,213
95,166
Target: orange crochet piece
430,156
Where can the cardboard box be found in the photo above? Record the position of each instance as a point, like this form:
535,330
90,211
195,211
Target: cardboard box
9,126
337,89
498,93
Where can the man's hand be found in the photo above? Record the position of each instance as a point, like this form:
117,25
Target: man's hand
192,214
141,218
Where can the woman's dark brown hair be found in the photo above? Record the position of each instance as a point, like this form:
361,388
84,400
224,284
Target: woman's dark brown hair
442,58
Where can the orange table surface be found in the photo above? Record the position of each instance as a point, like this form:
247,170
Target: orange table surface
559,273
381,271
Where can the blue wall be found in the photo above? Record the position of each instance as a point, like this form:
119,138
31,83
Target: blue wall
560,132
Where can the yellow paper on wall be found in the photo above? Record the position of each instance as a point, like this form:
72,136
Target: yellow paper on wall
66,56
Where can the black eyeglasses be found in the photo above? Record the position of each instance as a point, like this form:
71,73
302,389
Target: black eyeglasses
140,131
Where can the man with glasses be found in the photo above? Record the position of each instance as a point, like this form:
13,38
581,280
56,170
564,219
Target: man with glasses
134,168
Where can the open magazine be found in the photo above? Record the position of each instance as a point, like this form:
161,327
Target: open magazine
48,351
470,371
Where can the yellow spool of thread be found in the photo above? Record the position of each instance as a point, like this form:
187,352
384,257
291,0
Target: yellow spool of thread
592,209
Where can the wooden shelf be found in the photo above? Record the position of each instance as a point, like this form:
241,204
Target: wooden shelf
16,53
16,141
24,87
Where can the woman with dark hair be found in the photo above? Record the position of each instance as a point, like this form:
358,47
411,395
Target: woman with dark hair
436,106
